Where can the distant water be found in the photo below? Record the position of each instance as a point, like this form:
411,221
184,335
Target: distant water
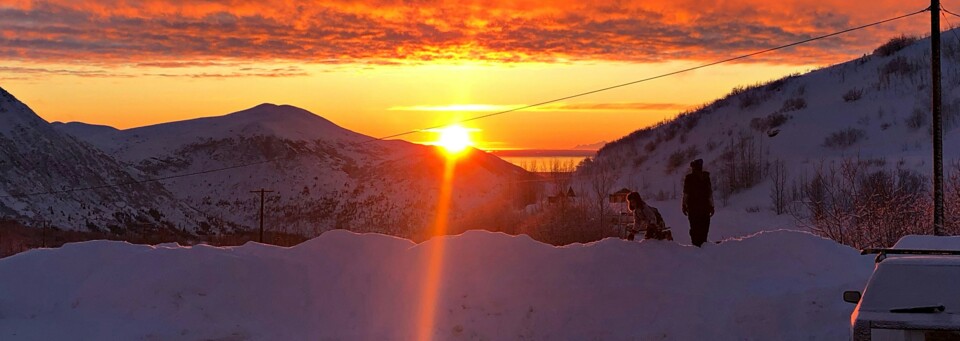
539,160
544,163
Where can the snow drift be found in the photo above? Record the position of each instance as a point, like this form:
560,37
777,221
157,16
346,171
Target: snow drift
773,285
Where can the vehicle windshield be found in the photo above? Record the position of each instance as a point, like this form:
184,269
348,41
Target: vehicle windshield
903,284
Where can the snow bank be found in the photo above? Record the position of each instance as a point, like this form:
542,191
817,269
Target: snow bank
773,285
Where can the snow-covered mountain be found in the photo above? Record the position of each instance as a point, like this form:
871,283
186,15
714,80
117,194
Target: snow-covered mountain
36,158
874,109
323,176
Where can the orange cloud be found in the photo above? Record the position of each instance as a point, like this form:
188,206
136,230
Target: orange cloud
167,32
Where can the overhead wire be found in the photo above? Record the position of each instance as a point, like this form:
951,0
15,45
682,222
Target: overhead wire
953,29
659,76
538,104
947,11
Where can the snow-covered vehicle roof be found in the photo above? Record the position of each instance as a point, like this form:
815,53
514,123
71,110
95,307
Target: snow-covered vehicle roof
928,243
915,292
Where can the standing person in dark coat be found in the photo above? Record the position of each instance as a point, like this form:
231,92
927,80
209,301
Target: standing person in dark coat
698,202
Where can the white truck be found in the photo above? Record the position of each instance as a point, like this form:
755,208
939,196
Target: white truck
913,294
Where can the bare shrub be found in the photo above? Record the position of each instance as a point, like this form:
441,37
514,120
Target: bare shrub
558,225
853,95
793,104
749,99
751,96
894,45
681,157
855,206
778,84
689,120
775,85
951,200
669,131
951,113
559,172
917,119
638,161
776,120
771,121
778,189
740,166
601,179
844,138
898,66
650,146
711,146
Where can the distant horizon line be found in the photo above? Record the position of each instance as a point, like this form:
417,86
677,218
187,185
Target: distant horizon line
541,152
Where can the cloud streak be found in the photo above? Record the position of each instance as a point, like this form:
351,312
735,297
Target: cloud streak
177,70
166,33
553,107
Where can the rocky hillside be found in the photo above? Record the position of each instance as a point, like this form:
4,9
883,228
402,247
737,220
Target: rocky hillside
323,176
39,165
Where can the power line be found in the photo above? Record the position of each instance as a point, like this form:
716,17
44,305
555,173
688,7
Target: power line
952,28
491,114
659,76
951,13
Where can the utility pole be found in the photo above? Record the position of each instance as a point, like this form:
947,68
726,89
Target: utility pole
262,193
937,119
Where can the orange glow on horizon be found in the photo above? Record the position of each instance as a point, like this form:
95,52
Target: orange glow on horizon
397,105
429,297
454,139
383,67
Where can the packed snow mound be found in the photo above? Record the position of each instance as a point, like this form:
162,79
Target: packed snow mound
774,285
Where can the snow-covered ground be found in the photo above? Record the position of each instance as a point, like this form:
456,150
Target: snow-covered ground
740,218
779,285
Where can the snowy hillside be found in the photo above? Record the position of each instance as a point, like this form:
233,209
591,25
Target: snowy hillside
323,176
280,121
37,159
875,108
858,127
771,286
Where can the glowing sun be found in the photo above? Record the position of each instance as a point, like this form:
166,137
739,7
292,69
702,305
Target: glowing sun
454,139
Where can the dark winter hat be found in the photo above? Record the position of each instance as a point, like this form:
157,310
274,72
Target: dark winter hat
697,164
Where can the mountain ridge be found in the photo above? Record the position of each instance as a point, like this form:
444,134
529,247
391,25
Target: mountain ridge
324,176
40,165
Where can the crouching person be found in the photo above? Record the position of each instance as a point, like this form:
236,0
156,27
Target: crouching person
647,218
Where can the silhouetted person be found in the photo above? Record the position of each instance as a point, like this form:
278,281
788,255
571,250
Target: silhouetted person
646,218
698,202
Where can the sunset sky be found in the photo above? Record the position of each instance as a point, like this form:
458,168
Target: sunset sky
385,67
